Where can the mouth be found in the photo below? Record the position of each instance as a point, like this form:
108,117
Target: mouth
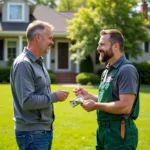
101,53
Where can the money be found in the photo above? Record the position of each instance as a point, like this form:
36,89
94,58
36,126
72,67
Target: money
76,101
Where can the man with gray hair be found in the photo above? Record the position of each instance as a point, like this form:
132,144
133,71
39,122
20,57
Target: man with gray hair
32,96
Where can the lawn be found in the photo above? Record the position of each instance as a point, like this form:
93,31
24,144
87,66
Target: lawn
74,129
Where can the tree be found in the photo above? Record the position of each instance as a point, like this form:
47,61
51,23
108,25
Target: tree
50,3
71,5
104,14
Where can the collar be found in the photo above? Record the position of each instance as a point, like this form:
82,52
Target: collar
119,61
31,56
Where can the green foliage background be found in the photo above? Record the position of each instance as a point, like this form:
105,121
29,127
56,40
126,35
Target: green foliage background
84,28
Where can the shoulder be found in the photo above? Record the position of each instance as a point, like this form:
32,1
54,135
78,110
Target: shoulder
22,59
22,62
128,69
128,72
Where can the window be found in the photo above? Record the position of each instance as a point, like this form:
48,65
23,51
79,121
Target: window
15,12
12,49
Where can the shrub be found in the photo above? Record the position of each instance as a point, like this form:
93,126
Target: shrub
52,76
4,75
87,78
86,65
144,70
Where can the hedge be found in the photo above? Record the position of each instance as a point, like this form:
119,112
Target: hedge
87,78
144,70
5,75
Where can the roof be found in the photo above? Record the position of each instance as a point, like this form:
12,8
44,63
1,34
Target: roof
57,19
31,1
44,13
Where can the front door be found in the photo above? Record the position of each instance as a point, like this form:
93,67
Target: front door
62,56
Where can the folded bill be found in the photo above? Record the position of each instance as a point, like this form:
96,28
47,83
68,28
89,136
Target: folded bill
76,101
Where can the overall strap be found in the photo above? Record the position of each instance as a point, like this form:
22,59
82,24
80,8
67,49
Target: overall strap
137,95
136,98
117,69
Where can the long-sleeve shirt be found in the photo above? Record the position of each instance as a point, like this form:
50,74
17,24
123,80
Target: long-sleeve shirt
32,97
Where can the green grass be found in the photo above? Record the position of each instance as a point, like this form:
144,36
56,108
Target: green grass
74,128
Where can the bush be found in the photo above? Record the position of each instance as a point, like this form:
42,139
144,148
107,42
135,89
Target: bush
52,76
87,78
4,75
86,65
144,70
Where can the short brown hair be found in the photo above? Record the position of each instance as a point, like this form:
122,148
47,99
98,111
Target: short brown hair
36,27
115,36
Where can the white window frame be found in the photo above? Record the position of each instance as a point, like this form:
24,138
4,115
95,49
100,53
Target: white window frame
6,47
56,58
23,12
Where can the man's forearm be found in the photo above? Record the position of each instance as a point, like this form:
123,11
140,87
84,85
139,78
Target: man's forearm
38,101
112,107
93,97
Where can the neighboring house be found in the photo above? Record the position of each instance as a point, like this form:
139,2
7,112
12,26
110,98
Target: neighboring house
15,15
146,45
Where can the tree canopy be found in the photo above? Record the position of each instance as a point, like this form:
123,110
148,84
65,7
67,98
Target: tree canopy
84,28
71,5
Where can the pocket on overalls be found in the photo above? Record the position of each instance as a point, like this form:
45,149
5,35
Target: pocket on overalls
132,136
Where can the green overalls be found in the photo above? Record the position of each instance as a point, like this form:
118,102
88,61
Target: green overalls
109,125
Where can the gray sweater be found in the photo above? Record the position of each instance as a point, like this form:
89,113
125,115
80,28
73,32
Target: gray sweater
32,97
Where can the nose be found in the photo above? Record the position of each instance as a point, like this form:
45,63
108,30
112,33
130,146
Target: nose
52,42
98,48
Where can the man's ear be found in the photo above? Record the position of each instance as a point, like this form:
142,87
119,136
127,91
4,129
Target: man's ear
116,46
37,36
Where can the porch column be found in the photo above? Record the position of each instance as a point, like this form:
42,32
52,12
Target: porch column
48,62
77,64
20,48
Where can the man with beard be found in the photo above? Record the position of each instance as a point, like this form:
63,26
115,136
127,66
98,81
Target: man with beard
117,103
32,97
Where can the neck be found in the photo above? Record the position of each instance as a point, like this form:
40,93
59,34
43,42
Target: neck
34,49
114,58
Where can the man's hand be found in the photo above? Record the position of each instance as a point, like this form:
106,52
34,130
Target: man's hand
62,95
81,91
89,105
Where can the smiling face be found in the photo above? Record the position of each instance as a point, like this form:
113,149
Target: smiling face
105,48
45,40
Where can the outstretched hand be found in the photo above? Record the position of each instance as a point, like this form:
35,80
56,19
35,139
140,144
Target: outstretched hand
81,91
62,95
89,105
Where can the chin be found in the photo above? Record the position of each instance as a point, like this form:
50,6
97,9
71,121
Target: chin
47,51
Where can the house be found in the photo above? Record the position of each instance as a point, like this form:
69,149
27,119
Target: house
15,15
146,45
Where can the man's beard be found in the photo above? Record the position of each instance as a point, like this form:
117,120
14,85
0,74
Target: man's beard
106,55
47,50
